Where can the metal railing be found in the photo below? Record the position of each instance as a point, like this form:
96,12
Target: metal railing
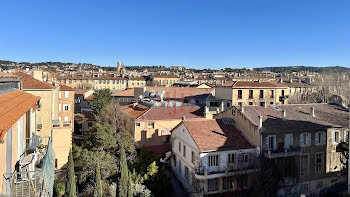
24,183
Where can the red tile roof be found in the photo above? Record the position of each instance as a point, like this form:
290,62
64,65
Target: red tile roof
30,82
90,97
134,111
81,91
172,113
66,88
254,84
212,135
13,106
127,93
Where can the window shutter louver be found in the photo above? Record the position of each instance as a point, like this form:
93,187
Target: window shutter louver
333,137
309,139
324,137
267,143
301,140
317,138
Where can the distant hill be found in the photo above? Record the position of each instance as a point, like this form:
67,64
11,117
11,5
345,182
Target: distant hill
5,64
289,69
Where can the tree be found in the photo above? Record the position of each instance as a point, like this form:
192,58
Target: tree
100,101
98,181
124,175
71,184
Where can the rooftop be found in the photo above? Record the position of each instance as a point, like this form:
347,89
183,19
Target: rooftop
298,117
212,135
13,106
29,82
66,88
253,84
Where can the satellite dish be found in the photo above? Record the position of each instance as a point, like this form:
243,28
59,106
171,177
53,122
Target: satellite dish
140,96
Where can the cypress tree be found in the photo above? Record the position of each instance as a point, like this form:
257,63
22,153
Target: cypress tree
71,184
124,174
131,191
98,180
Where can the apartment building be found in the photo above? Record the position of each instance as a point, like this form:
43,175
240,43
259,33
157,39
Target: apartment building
164,79
251,93
212,157
151,126
110,81
300,138
55,114
17,117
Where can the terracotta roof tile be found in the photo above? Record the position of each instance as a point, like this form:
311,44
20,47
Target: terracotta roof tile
253,84
134,111
30,82
127,93
211,135
13,106
66,88
171,113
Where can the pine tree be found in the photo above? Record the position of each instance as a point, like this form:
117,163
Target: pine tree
71,184
124,175
98,188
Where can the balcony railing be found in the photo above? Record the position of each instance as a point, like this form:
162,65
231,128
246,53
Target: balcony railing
285,152
284,97
57,123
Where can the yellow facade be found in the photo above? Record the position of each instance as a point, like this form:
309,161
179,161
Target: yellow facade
260,96
165,80
137,82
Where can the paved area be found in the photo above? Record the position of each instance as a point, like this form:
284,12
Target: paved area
177,189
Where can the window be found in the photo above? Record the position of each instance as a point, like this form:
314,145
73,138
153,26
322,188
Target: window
245,158
239,103
59,107
304,165
70,81
250,94
213,160
193,158
346,136
213,184
59,94
305,139
66,94
66,107
272,93
320,138
239,94
261,93
335,137
180,147
250,103
184,152
319,160
283,93
227,182
288,141
271,103
262,104
179,166
137,124
187,177
271,142
151,125
233,112
231,158
66,118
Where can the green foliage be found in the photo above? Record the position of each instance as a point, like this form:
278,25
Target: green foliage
100,101
71,183
98,181
59,189
124,179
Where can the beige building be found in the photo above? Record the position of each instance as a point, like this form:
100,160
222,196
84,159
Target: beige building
152,126
251,93
17,117
300,138
55,114
164,79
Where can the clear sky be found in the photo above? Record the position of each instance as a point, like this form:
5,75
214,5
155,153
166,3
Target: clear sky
199,34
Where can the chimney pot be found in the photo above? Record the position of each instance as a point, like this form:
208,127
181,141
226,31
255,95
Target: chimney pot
284,114
260,121
312,111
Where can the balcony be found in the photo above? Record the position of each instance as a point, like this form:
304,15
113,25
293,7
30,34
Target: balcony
59,124
34,173
284,152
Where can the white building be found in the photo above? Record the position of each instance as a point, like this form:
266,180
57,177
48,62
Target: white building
212,156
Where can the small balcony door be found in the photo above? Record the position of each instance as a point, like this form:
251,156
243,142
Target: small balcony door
288,141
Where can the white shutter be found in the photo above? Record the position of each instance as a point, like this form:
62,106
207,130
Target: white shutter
333,137
324,137
66,94
317,137
59,107
301,140
309,139
68,107
59,95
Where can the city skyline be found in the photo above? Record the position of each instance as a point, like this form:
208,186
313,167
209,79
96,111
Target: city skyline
196,34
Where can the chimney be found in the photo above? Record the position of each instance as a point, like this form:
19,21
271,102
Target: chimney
281,79
265,105
222,82
183,117
207,114
291,80
134,105
38,74
242,108
312,111
260,121
284,114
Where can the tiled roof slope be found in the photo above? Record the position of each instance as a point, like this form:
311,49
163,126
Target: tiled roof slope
134,111
298,117
172,92
255,84
66,88
30,82
212,135
172,113
13,106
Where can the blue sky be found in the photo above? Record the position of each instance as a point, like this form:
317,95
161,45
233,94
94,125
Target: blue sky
199,34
